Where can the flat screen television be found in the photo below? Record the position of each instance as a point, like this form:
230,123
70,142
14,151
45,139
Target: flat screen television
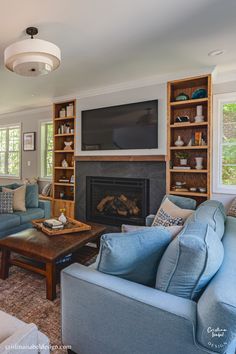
128,126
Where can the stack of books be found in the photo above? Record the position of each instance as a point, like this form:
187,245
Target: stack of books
53,224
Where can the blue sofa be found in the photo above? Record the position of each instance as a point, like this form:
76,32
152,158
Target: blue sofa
106,314
19,220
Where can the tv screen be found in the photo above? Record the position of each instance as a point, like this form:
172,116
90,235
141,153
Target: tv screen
129,126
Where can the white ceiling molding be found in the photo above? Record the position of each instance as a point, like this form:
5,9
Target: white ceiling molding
42,109
129,85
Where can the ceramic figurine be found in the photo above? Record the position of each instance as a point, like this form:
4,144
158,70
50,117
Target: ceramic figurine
199,161
68,145
64,164
179,141
199,117
62,113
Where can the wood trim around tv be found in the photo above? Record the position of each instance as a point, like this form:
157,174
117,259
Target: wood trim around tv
134,158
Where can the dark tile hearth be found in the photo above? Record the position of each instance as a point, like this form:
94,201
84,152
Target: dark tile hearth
154,171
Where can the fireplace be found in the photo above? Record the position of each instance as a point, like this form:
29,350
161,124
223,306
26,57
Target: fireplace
114,201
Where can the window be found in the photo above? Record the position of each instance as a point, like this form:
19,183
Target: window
46,149
224,135
10,151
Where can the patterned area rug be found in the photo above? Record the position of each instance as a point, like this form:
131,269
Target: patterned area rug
23,296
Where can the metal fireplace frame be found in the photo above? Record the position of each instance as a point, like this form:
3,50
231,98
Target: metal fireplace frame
142,183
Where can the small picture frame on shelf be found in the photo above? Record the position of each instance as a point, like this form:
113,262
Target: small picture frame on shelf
29,141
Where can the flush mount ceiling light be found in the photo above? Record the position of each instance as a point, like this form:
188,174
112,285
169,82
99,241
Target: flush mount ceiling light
216,52
32,57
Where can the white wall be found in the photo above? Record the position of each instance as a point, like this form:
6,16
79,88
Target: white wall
30,122
151,92
225,87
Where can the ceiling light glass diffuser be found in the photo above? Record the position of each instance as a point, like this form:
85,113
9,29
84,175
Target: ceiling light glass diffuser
32,57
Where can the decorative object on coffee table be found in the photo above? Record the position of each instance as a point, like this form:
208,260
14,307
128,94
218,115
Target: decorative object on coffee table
29,141
71,226
37,247
62,218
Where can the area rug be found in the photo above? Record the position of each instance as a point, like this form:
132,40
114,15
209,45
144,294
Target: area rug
23,295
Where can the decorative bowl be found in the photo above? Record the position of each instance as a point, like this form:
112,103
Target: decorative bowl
202,189
199,93
182,97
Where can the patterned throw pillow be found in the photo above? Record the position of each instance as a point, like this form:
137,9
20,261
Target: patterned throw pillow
6,202
164,219
232,208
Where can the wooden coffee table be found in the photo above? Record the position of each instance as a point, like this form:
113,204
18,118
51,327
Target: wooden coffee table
47,250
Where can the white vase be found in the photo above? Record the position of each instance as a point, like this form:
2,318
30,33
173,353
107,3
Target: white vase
62,218
179,142
183,162
199,161
199,117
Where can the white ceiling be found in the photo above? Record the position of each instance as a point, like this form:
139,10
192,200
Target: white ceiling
105,42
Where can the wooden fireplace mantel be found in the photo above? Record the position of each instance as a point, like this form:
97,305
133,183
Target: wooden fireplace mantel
131,158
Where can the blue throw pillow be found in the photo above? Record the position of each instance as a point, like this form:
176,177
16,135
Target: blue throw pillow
190,261
32,196
213,213
135,255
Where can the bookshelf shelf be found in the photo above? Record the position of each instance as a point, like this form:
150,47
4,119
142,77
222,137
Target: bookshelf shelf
189,131
64,192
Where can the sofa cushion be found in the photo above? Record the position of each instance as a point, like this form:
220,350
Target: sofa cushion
6,202
190,261
8,325
11,186
182,202
213,213
174,230
170,214
18,197
134,257
8,221
30,214
32,196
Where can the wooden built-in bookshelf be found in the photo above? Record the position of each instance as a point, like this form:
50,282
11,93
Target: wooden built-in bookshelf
193,178
63,191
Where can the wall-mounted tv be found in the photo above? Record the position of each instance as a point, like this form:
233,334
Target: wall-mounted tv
128,126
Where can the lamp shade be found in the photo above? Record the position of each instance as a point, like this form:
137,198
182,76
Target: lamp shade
32,57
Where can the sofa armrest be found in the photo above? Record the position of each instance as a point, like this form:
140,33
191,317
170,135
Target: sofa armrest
149,220
124,317
216,310
46,206
23,340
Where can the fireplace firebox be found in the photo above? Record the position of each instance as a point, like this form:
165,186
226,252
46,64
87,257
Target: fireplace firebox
114,201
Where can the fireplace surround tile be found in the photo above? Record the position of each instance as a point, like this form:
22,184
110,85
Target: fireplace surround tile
154,171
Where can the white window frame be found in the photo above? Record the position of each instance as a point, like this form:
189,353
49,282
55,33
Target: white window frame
218,101
41,166
8,126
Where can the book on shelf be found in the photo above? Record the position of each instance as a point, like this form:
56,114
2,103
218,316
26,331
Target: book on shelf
181,168
63,180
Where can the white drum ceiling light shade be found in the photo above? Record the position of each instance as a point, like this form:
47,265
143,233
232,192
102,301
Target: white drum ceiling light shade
32,57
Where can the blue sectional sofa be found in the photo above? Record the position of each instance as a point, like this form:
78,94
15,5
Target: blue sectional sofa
35,209
106,314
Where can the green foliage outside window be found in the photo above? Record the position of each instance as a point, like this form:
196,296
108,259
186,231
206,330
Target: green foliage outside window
229,144
10,151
